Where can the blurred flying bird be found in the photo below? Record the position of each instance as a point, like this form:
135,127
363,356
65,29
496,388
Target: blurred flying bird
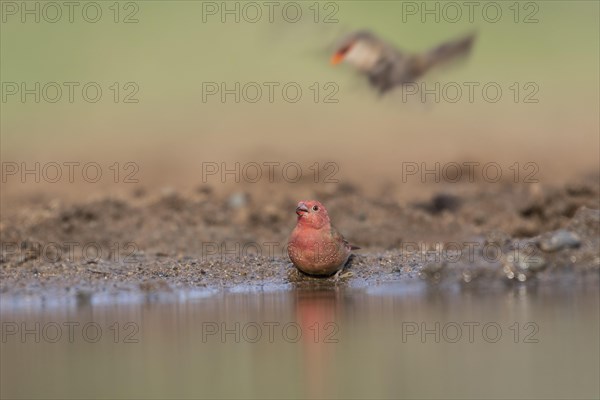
387,67
315,246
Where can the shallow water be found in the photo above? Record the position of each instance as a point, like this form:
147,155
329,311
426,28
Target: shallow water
386,341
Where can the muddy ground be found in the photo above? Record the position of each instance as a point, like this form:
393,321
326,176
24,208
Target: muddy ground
157,240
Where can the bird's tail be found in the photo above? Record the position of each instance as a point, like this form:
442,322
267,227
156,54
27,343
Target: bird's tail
445,52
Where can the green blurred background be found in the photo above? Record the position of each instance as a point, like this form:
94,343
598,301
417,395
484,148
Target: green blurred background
171,51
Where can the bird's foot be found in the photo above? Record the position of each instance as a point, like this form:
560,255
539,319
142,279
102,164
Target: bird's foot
338,276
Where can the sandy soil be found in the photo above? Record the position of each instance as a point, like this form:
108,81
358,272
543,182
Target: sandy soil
154,240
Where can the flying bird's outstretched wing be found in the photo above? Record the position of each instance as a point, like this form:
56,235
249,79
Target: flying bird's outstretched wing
445,52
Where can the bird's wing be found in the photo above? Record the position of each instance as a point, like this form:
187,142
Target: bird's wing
447,51
339,237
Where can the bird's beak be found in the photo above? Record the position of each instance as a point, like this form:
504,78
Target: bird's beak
337,58
301,209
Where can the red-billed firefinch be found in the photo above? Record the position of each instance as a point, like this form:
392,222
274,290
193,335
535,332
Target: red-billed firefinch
315,246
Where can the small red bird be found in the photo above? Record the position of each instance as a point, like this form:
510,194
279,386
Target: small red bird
315,246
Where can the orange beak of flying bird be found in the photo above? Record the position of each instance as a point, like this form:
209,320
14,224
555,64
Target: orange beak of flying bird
339,55
337,58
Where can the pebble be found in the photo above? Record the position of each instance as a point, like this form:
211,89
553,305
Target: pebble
522,264
432,271
558,240
237,200
529,262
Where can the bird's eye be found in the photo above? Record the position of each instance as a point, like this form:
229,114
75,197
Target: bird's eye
315,208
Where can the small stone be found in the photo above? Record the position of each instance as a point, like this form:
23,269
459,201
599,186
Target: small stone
558,240
522,264
433,271
467,276
237,200
527,262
